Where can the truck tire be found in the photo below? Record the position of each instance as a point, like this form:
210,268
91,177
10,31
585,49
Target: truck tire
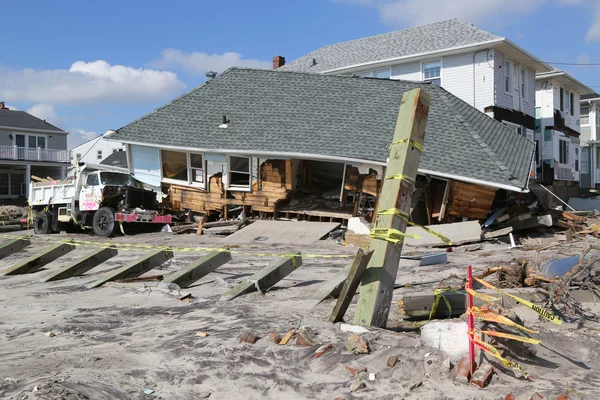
104,222
42,225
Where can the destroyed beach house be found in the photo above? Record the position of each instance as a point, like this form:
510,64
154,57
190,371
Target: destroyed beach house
312,146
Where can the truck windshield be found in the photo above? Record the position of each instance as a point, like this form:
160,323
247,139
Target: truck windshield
118,179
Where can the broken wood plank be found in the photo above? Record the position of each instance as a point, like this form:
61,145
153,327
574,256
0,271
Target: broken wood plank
374,301
37,261
83,265
201,224
12,246
138,267
37,178
498,233
199,268
573,217
266,278
359,266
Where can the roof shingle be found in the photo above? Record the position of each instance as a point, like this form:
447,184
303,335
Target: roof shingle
23,120
332,115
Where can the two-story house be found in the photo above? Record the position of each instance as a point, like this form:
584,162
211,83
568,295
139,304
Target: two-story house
96,150
487,71
558,131
590,141
28,146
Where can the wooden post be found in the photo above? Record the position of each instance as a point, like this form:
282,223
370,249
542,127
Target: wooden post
352,281
288,175
12,246
82,265
375,297
37,261
199,268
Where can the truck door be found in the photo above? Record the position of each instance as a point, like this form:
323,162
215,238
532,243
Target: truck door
91,193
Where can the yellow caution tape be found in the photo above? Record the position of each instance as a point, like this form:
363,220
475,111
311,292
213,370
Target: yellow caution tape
488,348
488,299
404,215
492,316
511,337
401,177
439,294
541,311
391,235
411,142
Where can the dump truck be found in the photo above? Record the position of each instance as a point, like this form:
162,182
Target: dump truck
95,197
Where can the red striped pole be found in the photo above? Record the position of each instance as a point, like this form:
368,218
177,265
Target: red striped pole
469,284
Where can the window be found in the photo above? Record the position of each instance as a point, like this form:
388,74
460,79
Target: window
174,165
523,83
585,115
517,128
120,149
563,152
576,159
383,73
366,74
432,72
99,155
119,179
597,117
33,142
17,182
537,151
567,98
92,180
4,184
572,99
78,156
239,172
507,80
562,99
115,150
197,168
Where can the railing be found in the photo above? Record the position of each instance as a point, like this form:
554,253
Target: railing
563,174
39,154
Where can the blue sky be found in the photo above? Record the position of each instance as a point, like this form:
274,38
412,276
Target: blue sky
89,66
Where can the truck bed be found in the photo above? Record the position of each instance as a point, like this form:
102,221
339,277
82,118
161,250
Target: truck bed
42,193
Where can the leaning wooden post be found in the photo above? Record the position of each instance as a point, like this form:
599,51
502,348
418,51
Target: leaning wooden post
377,285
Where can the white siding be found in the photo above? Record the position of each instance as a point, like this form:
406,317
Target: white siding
89,150
410,71
484,79
457,76
146,164
529,103
503,99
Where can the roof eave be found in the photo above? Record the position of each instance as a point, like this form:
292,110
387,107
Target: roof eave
14,128
541,66
582,88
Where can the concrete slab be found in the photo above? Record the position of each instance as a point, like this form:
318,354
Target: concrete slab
448,336
282,232
458,233
584,204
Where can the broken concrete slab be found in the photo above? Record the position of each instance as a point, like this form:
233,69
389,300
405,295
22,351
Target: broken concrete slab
459,233
449,336
498,233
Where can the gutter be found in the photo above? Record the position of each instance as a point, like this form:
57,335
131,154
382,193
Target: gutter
329,158
12,128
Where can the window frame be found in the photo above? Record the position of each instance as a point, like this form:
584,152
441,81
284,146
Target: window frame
523,82
98,154
437,60
27,136
560,151
189,181
572,100
508,78
581,115
229,171
567,101
388,69
597,117
561,99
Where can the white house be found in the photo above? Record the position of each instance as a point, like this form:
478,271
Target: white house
96,150
489,72
590,140
558,131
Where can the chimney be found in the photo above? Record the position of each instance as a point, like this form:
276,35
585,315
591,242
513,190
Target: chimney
278,61
2,106
210,75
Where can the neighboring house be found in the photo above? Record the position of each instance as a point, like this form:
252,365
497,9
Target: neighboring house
558,131
590,141
28,146
116,159
252,137
487,71
96,150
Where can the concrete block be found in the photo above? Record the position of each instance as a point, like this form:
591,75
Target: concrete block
358,226
449,336
459,233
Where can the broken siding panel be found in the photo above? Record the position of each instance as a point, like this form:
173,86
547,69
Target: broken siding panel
146,164
469,200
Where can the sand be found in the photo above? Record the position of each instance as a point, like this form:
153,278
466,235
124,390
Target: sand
117,341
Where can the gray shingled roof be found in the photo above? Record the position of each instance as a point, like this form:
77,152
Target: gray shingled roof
23,120
589,96
116,159
422,39
332,115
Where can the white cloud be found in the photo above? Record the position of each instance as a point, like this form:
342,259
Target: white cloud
88,82
78,136
594,32
200,63
411,12
45,112
11,107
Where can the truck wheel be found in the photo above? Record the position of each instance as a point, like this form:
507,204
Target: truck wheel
42,225
104,222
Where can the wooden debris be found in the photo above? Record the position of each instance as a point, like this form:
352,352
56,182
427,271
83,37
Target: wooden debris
323,349
248,336
12,246
355,275
498,233
391,362
572,217
287,337
274,337
82,265
566,236
375,297
199,268
202,334
37,261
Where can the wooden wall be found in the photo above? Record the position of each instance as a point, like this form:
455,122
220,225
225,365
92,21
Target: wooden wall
469,200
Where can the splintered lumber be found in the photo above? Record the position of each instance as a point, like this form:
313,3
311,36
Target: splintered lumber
37,261
83,265
37,178
573,217
266,278
375,298
138,267
12,246
359,266
497,233
199,268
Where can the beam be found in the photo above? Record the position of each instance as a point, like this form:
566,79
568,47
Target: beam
12,246
37,261
266,277
375,298
83,265
359,266
331,288
199,268
138,267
